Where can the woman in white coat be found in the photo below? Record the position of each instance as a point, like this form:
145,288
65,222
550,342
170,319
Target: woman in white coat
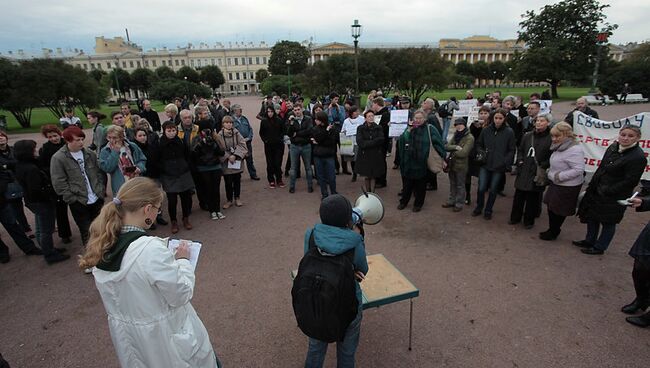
146,289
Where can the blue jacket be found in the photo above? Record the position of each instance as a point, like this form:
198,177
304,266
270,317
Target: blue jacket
338,240
108,162
244,127
336,115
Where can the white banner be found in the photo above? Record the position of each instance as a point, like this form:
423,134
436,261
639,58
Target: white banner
596,135
464,108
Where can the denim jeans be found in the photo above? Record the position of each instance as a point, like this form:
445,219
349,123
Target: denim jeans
8,220
457,188
446,123
45,216
487,180
296,152
249,160
345,349
600,242
326,175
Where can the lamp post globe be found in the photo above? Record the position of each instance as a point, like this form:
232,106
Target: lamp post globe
289,75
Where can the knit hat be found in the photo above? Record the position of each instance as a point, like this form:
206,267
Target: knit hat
336,210
460,121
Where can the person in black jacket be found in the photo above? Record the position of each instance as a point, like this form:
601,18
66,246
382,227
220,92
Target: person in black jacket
272,134
299,130
324,140
175,174
371,158
206,157
498,141
380,110
39,197
151,115
473,167
581,106
640,251
619,172
49,148
7,158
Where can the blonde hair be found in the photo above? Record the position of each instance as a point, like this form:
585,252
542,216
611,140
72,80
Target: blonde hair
563,129
115,129
105,229
171,108
143,124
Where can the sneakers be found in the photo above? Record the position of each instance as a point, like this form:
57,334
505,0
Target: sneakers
238,202
281,184
272,185
221,216
213,216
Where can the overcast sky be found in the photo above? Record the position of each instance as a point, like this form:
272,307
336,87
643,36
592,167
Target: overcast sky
33,24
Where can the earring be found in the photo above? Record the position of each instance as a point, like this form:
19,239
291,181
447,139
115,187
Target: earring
148,221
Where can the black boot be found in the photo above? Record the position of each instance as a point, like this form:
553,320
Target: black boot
640,321
548,235
634,307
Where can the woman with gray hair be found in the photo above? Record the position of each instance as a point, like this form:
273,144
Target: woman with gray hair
122,159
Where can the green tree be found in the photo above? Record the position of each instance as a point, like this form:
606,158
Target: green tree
189,74
563,35
120,80
334,74
142,79
212,76
417,70
17,92
498,70
374,73
166,90
464,73
165,72
97,74
261,75
481,71
280,84
288,50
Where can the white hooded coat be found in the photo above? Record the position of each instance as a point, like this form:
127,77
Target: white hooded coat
151,320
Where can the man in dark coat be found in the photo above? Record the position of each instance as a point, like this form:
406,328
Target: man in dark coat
384,112
581,105
151,115
641,272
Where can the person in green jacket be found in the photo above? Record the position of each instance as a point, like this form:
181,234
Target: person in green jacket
460,146
414,145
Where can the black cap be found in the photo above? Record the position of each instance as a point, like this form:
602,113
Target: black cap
460,121
405,100
336,210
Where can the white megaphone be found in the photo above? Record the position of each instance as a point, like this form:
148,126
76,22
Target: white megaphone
368,209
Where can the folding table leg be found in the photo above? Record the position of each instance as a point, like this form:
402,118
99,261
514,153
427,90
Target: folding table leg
411,324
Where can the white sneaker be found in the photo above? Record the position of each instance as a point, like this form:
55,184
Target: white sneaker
221,215
214,216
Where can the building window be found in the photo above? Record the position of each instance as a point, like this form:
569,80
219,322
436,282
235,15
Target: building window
146,63
229,62
169,62
236,61
183,62
198,63
212,61
176,62
137,63
219,61
108,64
164,62
232,88
245,87
124,64
153,62
264,60
131,63
229,76
237,76
257,60
250,60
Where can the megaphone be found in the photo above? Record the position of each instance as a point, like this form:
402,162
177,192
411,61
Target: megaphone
368,209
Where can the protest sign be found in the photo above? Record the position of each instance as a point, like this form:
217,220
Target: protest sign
398,122
465,107
545,106
596,135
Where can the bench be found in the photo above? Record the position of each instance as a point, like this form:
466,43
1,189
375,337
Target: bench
632,98
593,100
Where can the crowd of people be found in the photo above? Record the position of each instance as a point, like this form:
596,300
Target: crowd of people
198,146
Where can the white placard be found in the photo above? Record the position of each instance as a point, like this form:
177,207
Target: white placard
473,114
515,112
464,107
399,116
195,249
545,106
350,125
596,135
347,145
234,165
396,129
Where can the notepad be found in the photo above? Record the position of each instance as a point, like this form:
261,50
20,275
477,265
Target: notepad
234,165
195,250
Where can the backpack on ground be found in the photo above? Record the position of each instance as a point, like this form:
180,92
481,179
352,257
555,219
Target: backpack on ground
324,294
443,110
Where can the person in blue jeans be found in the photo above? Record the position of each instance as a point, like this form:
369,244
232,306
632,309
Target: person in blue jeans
334,235
324,150
299,130
498,141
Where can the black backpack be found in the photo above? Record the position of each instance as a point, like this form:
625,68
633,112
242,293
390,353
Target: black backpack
443,110
324,294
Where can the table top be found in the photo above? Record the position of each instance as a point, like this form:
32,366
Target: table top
384,283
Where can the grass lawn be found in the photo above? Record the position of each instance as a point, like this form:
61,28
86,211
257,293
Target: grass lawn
42,116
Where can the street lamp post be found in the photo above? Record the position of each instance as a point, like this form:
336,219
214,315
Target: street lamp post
289,75
356,33
601,41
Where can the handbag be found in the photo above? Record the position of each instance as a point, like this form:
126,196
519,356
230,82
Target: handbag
541,174
481,156
434,161
13,191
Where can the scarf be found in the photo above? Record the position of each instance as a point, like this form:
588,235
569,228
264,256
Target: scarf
564,145
112,259
459,135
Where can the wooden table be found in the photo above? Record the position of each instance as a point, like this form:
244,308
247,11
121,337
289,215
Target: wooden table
385,284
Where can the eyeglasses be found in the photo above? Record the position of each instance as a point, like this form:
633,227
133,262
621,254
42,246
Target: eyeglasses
157,209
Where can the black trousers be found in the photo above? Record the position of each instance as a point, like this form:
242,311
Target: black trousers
83,215
555,222
186,203
200,189
274,153
641,277
62,221
526,204
418,187
233,186
19,210
211,182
